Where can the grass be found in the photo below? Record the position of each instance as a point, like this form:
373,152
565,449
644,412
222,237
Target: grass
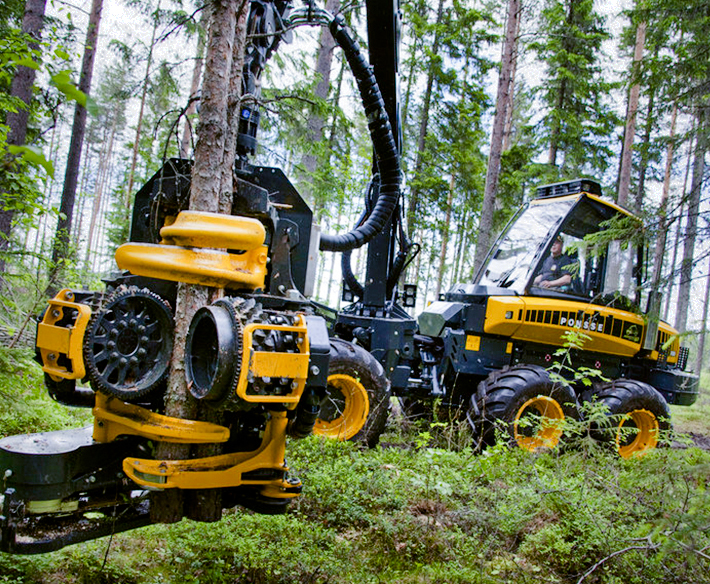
423,508
695,419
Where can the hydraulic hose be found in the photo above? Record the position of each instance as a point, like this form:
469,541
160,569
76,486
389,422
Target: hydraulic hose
348,276
385,149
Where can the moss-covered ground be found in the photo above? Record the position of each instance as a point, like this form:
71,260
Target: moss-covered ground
420,508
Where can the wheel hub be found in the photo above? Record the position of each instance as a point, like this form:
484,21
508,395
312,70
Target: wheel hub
637,433
345,410
538,424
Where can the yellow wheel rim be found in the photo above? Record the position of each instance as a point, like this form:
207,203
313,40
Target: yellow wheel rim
344,414
637,433
543,432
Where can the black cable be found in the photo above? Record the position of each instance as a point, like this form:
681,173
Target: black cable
385,149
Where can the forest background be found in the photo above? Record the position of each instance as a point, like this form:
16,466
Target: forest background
621,97
497,97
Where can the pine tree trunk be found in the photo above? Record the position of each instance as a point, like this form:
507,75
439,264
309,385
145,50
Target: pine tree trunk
703,327
661,240
556,128
186,141
66,209
676,245
686,266
205,192
316,123
102,182
413,209
503,105
643,163
21,88
508,129
631,108
206,504
141,110
445,238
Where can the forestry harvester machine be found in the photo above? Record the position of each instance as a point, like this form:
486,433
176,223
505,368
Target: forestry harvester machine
260,358
274,364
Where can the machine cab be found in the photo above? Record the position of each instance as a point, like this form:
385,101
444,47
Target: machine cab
562,245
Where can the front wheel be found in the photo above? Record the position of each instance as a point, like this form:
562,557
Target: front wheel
525,404
639,414
358,396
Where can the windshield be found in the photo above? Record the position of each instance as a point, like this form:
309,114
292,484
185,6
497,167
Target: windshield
511,263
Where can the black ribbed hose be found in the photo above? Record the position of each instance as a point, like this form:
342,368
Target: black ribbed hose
385,149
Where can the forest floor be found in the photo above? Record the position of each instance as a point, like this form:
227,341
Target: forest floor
421,508
694,421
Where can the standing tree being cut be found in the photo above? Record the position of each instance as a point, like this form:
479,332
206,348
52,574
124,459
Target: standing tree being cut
210,165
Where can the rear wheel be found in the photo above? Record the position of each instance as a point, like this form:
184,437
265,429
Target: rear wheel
525,404
639,415
357,403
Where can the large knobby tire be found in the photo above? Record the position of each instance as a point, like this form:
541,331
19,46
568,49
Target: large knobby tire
639,413
358,400
527,406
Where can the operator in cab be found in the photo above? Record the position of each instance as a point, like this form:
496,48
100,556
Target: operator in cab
558,270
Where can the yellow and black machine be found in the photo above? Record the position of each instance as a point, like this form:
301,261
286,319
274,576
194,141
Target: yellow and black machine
270,363
260,358
489,346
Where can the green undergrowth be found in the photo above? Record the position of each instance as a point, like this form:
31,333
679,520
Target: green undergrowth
412,511
25,405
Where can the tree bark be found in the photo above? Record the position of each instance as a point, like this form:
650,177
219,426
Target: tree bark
21,88
168,506
316,123
632,107
661,240
66,209
413,208
141,110
703,327
445,238
186,141
503,105
101,182
686,266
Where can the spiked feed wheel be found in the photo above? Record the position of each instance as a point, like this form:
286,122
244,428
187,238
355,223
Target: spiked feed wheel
128,344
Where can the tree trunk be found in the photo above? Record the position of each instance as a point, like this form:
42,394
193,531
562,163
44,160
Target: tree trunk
186,141
21,88
206,504
66,210
315,123
686,266
703,327
413,209
644,153
503,105
101,182
660,251
141,110
631,108
556,128
206,187
445,238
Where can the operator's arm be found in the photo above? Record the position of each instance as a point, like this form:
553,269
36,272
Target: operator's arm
563,280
